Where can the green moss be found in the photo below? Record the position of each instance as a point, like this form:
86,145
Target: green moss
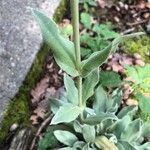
60,11
140,45
18,110
144,116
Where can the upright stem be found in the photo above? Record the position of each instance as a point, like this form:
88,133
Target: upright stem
76,39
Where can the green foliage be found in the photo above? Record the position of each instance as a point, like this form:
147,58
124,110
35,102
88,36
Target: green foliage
144,102
141,75
106,128
47,142
110,79
89,85
86,19
66,113
88,2
66,31
140,45
101,37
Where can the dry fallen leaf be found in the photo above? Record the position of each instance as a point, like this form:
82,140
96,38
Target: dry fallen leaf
101,3
39,90
34,119
40,112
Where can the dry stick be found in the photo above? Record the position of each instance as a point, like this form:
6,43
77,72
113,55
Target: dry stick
40,130
136,23
128,31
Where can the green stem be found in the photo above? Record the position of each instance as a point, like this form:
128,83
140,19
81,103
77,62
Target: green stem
76,39
76,34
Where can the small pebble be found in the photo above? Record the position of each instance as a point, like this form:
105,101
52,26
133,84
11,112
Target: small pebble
140,63
121,4
126,6
14,127
117,8
116,19
137,56
146,15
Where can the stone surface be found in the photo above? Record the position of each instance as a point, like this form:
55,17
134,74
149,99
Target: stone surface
20,40
21,140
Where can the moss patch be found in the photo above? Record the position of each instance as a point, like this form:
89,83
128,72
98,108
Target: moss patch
144,116
18,110
60,11
140,45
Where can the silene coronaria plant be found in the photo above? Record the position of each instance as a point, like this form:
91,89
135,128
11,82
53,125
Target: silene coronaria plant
102,126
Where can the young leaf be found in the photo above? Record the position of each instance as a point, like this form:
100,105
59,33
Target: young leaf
100,100
127,146
56,104
132,131
146,130
129,110
97,119
72,92
145,146
120,146
78,145
144,103
77,126
89,133
65,137
105,31
86,19
95,60
121,126
62,48
98,58
110,79
89,85
66,113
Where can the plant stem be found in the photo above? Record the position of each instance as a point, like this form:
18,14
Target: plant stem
76,34
76,39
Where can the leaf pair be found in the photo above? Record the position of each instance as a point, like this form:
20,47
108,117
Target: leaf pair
64,51
66,110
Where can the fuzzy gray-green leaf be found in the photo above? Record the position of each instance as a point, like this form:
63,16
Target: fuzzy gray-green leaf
89,84
97,119
89,133
100,100
65,137
66,113
56,104
62,48
72,92
132,131
129,110
145,146
127,145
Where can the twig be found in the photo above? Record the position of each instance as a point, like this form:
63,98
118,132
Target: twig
136,23
128,31
39,131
